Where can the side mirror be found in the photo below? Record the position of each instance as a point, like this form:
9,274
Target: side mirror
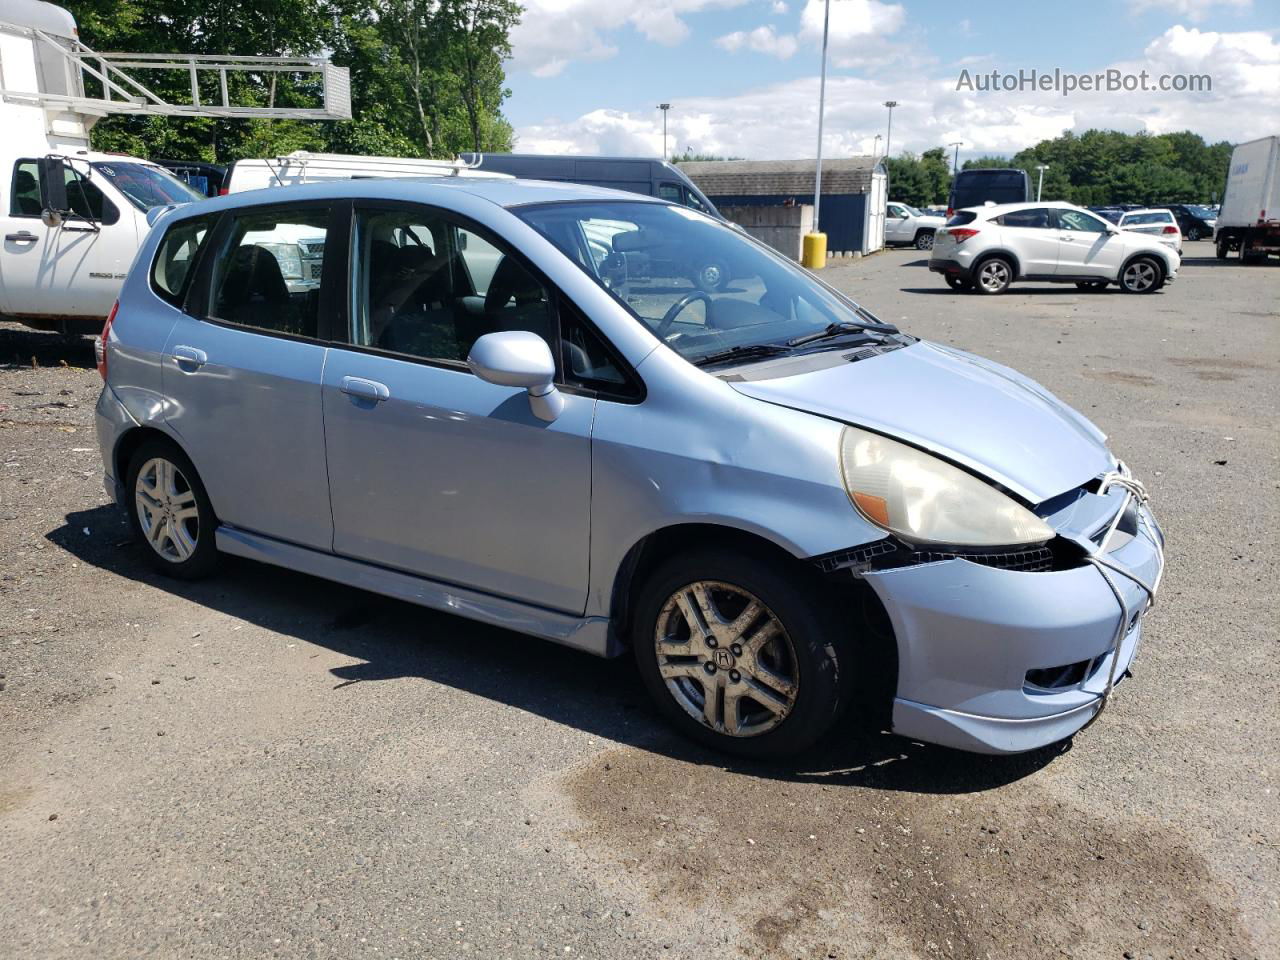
53,184
518,358
50,217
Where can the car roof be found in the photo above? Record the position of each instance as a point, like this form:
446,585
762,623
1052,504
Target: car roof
1130,213
998,208
504,192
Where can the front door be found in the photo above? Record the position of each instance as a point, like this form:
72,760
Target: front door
432,470
1088,248
895,224
73,270
242,371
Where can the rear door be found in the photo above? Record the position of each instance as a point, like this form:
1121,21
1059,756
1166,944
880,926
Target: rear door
1033,236
433,470
242,371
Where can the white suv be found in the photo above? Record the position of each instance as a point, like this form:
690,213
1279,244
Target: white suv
904,224
988,248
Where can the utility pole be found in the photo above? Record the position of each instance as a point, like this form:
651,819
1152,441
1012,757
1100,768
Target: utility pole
1042,167
664,107
822,103
888,140
955,164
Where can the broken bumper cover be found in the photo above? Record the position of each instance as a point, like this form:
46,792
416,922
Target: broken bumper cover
968,635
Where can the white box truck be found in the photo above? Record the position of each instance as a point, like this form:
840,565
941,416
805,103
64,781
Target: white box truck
1249,220
72,218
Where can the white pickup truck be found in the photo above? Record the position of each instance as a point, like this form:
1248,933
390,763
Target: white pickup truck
904,224
72,218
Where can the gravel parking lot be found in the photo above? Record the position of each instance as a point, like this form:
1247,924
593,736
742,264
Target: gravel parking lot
264,764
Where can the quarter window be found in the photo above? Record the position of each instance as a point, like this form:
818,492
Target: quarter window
175,257
428,287
269,273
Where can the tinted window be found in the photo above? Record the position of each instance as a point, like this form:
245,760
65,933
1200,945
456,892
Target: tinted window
84,199
691,200
961,218
669,191
1035,219
268,272
146,186
1080,221
24,197
428,287
585,357
175,257
973,188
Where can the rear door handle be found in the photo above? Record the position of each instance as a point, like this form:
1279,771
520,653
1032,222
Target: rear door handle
190,357
22,237
365,389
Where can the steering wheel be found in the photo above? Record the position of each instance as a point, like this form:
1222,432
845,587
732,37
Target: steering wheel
668,318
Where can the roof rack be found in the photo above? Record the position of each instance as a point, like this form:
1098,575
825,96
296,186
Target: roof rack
300,163
123,92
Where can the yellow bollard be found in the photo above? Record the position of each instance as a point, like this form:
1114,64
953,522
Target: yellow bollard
814,251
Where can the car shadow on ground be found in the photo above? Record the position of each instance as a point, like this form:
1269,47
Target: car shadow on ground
393,639
20,347
1058,289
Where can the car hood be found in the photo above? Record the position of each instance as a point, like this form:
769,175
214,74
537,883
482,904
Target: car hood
964,408
929,220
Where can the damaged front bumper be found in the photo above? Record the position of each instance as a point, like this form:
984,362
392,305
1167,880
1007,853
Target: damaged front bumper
999,660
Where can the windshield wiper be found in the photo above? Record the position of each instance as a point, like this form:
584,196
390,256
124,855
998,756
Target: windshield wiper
743,352
839,330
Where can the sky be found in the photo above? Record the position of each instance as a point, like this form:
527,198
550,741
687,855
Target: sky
742,76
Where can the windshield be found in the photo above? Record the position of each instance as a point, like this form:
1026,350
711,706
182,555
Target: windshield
701,287
146,186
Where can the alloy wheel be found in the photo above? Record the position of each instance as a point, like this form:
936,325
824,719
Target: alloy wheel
726,659
994,276
1140,275
924,241
167,510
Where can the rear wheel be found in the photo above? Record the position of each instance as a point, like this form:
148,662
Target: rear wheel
1222,249
958,283
1193,233
169,511
1141,275
924,240
738,655
993,276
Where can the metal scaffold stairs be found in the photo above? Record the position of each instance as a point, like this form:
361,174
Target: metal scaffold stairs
122,90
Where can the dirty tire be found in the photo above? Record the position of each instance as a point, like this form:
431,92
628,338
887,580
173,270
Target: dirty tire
809,652
195,555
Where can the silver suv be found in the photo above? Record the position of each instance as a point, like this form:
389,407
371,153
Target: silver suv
512,401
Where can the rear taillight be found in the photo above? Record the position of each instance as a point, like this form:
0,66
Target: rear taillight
100,346
222,191
961,234
1169,230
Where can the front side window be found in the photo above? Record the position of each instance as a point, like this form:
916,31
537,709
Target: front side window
175,256
669,191
1080,222
696,284
428,287
84,200
146,186
24,197
269,271
694,201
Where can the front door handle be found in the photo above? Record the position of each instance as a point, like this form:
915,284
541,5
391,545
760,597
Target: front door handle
190,357
365,389
21,237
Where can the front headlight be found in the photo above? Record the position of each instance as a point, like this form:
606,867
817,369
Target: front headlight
925,500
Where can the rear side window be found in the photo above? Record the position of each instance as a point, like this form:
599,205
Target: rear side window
961,218
268,272
171,270
1035,219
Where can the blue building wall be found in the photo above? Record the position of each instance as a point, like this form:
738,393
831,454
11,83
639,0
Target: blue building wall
844,215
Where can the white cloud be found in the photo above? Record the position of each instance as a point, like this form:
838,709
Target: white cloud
780,121
761,40
1193,10
779,7
553,33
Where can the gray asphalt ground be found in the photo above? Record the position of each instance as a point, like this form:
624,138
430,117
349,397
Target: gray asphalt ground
266,765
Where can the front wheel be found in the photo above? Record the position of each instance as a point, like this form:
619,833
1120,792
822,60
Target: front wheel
1141,275
1222,249
924,240
170,512
738,655
1193,233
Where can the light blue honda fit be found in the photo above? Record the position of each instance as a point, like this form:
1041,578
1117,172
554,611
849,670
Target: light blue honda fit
616,423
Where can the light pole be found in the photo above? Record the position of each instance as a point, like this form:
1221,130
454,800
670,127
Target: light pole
955,164
664,107
1042,167
888,140
813,245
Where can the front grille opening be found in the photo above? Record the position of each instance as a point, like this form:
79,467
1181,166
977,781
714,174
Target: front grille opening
1030,560
1060,677
889,553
